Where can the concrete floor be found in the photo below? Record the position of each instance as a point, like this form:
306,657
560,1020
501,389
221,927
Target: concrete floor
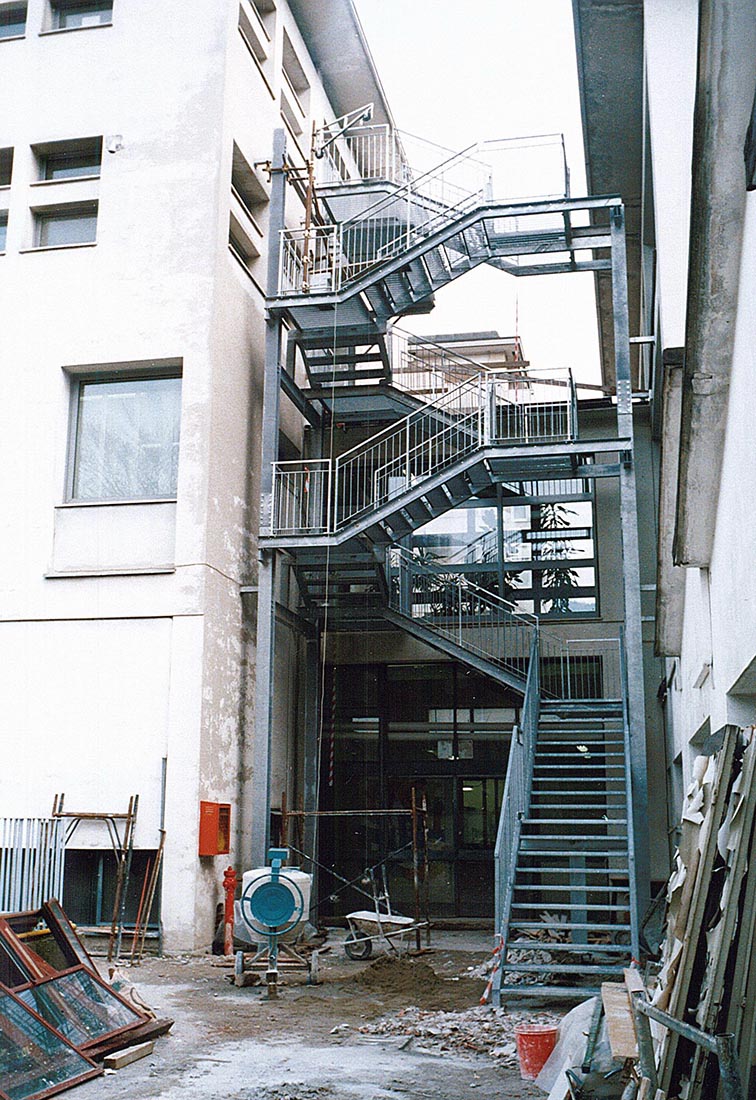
233,1044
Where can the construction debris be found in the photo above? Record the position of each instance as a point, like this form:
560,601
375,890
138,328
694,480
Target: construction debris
472,1031
708,959
691,1033
58,1018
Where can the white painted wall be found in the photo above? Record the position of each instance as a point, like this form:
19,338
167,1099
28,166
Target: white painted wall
103,676
713,678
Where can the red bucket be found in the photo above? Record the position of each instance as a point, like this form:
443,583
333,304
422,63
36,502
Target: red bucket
535,1043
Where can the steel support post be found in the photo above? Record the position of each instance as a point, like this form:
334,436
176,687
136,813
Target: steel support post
311,724
639,840
266,597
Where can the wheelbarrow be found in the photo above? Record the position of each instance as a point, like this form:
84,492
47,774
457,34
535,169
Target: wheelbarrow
367,927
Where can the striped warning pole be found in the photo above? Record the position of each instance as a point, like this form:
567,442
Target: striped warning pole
496,965
332,746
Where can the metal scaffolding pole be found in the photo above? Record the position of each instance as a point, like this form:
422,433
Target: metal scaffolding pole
266,584
631,568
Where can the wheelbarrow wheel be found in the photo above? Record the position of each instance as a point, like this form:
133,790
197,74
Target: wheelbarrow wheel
358,946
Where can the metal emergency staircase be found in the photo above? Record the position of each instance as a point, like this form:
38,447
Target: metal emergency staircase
565,914
566,907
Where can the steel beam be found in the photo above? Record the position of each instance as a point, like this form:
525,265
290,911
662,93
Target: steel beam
266,599
639,836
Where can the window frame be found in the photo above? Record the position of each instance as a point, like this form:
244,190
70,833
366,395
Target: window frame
17,6
6,166
43,215
56,7
71,149
128,373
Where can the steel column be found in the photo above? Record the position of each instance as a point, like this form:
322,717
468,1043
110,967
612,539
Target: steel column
311,741
631,569
266,598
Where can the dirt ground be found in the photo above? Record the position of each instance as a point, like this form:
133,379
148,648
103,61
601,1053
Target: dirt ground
385,1029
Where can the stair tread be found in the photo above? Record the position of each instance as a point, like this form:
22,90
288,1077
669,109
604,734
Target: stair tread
572,888
575,820
536,989
563,968
567,926
560,905
570,947
572,870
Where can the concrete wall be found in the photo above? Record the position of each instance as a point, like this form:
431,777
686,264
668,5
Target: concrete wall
712,680
124,640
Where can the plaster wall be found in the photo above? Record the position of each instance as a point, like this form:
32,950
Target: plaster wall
720,617
144,653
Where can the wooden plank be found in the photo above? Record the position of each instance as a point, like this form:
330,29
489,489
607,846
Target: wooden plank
131,1054
139,1034
697,889
619,1020
633,981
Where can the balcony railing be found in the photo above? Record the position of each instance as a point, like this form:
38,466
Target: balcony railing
324,258
324,496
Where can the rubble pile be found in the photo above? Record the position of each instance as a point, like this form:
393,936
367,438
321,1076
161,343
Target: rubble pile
479,1030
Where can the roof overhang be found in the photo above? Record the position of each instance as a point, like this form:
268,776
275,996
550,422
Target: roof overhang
337,45
609,46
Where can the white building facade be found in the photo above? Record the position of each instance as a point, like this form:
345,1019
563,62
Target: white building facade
133,217
705,225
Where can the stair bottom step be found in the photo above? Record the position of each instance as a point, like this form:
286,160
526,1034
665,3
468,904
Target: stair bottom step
560,968
509,990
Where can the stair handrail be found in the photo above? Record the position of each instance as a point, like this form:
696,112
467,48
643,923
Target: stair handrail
515,806
459,611
413,183
427,439
635,915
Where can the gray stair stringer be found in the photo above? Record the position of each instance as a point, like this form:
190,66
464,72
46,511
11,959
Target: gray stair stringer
452,649
554,847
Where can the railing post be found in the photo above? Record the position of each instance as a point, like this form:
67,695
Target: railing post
485,392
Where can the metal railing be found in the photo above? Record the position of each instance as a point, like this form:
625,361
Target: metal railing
324,496
515,803
580,668
453,607
450,604
301,495
416,207
32,856
324,258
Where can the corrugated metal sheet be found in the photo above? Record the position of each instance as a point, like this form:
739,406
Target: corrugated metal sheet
32,853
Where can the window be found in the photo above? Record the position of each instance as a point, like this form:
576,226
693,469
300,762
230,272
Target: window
240,244
68,15
6,167
249,200
295,92
64,160
59,226
12,20
3,229
125,439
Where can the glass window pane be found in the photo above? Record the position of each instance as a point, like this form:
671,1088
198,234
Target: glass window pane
3,231
12,20
68,15
127,440
62,229
33,1057
60,166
